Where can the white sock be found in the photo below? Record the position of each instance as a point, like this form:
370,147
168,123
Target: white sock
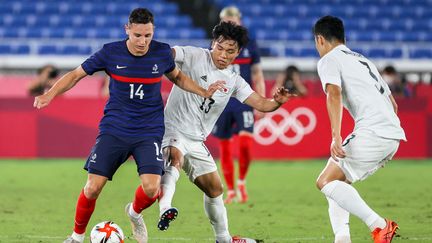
339,219
241,182
216,212
168,186
78,237
133,213
348,198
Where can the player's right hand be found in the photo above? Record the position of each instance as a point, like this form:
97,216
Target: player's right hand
336,149
218,85
42,100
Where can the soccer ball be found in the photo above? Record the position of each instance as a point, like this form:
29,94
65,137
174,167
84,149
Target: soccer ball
106,232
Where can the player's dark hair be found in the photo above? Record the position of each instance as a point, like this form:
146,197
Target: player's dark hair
231,31
289,72
141,16
52,74
331,28
390,70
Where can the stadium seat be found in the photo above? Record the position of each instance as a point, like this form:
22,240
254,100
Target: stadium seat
369,21
404,22
423,53
14,49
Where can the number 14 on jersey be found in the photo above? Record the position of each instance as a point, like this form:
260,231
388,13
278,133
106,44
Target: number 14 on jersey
139,92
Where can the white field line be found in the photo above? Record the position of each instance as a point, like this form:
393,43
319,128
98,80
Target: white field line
8,238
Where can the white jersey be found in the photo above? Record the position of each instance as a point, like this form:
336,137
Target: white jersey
190,114
364,93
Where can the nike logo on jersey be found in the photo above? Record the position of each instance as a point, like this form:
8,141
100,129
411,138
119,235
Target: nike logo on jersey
120,67
204,78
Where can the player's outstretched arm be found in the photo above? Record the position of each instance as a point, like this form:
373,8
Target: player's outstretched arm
267,105
334,109
186,83
62,85
259,85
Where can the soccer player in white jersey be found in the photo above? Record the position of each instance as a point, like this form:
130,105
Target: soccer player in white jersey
351,80
189,119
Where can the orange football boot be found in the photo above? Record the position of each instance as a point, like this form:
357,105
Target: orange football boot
231,197
385,235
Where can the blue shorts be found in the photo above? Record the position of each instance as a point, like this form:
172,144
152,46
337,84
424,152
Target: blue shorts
232,122
111,151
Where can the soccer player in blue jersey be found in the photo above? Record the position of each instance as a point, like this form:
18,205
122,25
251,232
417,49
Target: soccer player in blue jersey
238,118
133,121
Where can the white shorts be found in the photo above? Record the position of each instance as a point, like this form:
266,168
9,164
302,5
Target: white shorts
197,158
365,154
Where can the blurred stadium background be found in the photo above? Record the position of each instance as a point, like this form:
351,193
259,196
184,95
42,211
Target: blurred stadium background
63,33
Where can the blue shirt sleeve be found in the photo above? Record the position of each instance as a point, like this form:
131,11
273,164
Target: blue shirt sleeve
95,62
256,58
171,64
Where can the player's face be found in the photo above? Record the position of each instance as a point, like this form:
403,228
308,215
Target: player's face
235,20
224,52
140,36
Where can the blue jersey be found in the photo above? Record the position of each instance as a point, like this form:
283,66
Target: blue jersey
135,106
242,65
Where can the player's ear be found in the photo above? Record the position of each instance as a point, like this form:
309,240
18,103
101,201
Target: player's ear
126,29
319,40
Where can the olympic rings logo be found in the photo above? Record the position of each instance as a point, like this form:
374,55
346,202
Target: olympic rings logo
278,130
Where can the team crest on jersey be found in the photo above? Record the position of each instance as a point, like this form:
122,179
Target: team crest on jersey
224,90
155,69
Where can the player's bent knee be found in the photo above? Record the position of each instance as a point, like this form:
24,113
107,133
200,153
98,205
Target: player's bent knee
321,182
151,189
92,191
215,191
176,163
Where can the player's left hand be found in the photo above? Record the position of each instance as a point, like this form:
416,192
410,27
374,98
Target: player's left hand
42,100
336,149
282,95
218,85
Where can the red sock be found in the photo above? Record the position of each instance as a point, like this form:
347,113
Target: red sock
142,201
245,144
84,210
227,162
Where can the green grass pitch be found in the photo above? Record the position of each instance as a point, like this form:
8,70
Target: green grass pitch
38,201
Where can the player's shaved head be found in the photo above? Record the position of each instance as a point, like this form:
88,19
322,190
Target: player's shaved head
230,31
141,16
331,28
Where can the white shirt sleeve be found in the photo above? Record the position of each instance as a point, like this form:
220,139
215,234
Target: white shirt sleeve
242,90
329,72
186,54
179,54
